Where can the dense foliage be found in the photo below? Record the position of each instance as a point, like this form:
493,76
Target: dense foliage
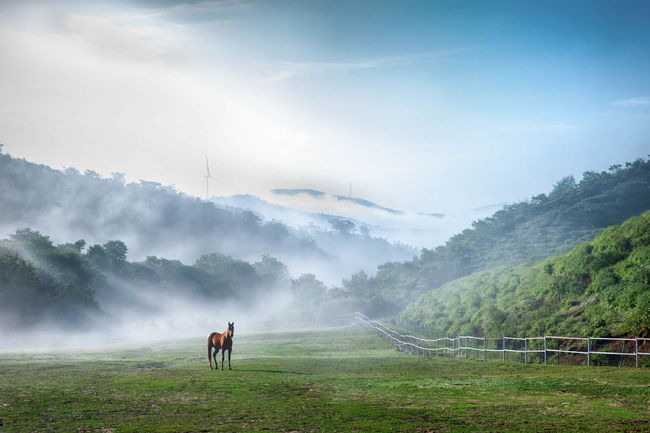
158,220
600,288
524,232
153,218
69,285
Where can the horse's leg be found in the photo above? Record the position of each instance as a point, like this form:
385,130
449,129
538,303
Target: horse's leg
210,354
223,354
214,355
229,367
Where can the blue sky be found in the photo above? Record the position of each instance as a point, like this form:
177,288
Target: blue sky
434,106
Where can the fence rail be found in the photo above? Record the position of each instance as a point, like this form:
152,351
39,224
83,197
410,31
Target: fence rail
543,347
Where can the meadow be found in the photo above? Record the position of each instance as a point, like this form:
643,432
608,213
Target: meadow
344,380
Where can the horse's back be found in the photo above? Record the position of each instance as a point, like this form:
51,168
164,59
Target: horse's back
214,339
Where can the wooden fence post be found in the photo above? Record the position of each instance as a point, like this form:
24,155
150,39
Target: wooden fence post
545,350
588,351
636,352
503,346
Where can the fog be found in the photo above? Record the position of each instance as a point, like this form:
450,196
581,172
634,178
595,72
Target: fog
93,260
436,119
67,296
112,262
156,220
313,211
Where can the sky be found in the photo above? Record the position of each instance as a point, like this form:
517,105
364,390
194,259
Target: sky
433,106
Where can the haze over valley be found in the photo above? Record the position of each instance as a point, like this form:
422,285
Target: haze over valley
444,164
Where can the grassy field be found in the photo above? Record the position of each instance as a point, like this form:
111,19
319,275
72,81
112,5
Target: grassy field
344,380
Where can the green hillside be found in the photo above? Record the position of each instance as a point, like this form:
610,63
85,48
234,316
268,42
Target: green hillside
524,232
600,288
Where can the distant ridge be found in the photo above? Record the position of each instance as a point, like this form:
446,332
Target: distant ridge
359,201
312,192
355,200
432,214
368,203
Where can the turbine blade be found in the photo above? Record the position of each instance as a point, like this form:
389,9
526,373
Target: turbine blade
207,167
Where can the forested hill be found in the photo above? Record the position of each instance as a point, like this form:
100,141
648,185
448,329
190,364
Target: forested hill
527,231
152,219
600,288
158,220
77,286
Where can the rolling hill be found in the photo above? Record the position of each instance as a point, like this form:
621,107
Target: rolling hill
154,219
524,232
600,288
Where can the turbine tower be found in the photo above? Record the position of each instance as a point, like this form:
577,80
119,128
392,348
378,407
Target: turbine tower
208,176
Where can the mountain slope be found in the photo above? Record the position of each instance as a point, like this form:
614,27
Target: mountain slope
524,232
346,238
319,194
158,220
153,219
600,288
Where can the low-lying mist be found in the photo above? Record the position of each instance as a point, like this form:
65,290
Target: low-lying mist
146,322
78,295
157,220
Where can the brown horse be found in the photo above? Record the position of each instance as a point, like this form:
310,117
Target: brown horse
223,342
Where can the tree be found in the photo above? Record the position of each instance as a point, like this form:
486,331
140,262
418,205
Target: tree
118,178
271,270
97,256
308,288
32,240
589,176
538,199
116,252
357,284
343,226
565,184
76,247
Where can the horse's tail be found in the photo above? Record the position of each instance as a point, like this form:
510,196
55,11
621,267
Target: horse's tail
210,349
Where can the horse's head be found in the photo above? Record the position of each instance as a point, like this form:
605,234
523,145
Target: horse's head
231,329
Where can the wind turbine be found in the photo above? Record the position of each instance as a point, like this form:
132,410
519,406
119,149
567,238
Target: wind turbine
208,176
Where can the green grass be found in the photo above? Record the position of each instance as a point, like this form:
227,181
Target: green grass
345,380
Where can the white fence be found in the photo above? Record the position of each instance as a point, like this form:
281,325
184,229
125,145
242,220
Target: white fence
482,347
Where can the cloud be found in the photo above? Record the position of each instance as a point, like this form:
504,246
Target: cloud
113,37
282,70
632,102
201,10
